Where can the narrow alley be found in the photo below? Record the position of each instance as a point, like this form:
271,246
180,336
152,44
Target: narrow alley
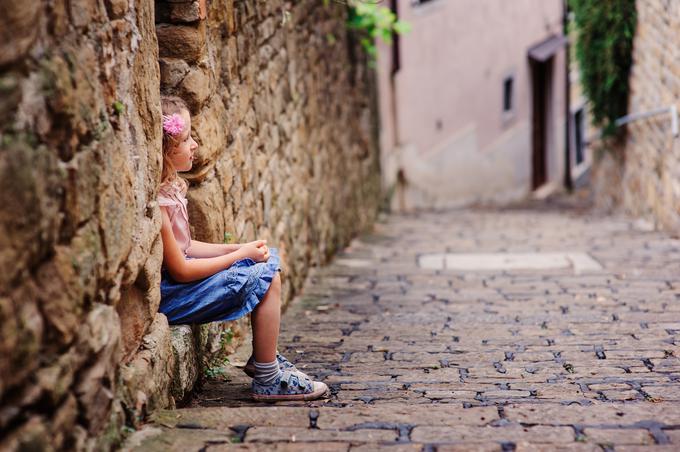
528,328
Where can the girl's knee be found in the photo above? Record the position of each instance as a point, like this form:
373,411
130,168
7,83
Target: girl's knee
274,290
276,282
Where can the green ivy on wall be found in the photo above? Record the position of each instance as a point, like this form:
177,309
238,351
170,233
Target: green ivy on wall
375,21
605,30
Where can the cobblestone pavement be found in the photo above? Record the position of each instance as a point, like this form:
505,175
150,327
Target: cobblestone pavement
437,359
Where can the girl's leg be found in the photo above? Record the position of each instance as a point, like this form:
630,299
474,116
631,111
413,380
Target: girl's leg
266,320
270,383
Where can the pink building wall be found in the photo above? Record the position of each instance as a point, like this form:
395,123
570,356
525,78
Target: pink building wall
442,122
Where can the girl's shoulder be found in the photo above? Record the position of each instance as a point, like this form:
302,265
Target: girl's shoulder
171,192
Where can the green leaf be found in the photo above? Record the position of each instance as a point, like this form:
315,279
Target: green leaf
401,27
118,108
374,22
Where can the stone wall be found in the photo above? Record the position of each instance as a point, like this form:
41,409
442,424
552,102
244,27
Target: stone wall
283,112
647,164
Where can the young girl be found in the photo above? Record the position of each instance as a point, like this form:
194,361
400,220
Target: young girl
205,282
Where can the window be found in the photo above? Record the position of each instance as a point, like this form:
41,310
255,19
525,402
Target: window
579,138
396,43
507,94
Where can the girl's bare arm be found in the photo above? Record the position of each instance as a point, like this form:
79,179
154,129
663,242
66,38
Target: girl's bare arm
202,249
183,270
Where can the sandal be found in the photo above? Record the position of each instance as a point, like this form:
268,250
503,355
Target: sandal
289,386
284,364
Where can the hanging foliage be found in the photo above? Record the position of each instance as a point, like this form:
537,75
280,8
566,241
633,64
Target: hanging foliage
605,30
376,21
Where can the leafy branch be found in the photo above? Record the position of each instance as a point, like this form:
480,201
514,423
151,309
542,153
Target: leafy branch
375,21
604,47
367,17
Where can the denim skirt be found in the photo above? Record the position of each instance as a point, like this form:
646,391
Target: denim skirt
227,295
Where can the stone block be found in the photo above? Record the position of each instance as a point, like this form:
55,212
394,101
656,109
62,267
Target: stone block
98,338
180,12
181,41
135,317
63,422
173,71
508,433
84,13
28,181
619,436
206,200
195,88
209,131
266,29
58,288
147,376
31,435
185,372
117,8
21,337
17,28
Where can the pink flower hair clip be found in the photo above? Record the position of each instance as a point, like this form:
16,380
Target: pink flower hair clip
173,124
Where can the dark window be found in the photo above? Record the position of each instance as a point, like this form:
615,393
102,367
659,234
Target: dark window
579,143
396,44
507,94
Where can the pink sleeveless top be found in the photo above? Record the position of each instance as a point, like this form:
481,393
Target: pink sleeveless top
172,197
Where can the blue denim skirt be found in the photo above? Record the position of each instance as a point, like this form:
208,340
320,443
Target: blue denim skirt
227,295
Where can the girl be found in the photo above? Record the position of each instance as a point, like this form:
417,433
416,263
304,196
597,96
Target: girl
205,282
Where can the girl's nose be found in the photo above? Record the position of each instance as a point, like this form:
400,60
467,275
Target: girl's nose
194,145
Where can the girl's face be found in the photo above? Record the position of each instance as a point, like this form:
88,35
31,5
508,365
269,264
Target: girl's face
182,154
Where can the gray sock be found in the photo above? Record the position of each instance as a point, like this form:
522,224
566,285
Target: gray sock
266,373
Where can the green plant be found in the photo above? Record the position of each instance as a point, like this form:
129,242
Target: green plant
127,430
217,371
374,21
605,30
226,337
118,108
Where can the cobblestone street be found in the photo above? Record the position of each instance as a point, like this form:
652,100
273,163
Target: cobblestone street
428,341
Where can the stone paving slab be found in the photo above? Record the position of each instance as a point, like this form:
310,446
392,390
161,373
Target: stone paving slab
445,359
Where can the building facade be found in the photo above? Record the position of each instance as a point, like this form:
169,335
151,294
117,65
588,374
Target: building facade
472,102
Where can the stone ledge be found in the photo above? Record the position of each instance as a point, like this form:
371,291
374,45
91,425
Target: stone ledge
185,370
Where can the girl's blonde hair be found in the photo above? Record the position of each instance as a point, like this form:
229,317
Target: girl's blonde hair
170,105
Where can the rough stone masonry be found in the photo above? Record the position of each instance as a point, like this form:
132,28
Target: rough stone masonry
284,117
644,175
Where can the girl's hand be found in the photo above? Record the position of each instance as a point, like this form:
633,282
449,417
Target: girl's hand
256,251
257,243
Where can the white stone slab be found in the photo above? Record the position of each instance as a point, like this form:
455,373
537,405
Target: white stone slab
578,262
432,261
506,261
354,263
583,263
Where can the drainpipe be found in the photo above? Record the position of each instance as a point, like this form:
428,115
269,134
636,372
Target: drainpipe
395,66
568,183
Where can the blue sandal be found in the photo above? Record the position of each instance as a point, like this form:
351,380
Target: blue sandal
289,386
